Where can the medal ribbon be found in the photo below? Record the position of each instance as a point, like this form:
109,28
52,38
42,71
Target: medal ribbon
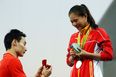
84,38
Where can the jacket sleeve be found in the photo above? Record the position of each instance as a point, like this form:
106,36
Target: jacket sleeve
72,40
105,45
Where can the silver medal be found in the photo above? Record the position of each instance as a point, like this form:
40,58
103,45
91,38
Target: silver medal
78,64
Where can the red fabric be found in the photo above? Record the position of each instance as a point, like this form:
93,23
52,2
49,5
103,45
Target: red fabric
96,36
11,66
105,44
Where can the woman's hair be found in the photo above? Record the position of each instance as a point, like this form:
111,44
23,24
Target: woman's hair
82,10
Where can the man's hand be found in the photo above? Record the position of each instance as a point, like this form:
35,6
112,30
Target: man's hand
46,72
39,72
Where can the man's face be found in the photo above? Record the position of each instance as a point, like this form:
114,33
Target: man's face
21,47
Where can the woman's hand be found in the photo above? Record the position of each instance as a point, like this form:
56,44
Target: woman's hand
80,55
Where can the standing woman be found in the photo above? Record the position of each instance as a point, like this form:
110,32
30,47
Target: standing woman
94,42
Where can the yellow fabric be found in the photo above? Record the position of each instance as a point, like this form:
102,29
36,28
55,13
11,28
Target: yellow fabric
78,72
90,68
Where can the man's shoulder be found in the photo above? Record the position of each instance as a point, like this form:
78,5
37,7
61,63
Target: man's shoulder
10,58
9,61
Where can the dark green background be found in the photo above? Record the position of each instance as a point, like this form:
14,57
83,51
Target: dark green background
109,23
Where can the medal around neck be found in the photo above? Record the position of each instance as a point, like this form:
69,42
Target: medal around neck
76,47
